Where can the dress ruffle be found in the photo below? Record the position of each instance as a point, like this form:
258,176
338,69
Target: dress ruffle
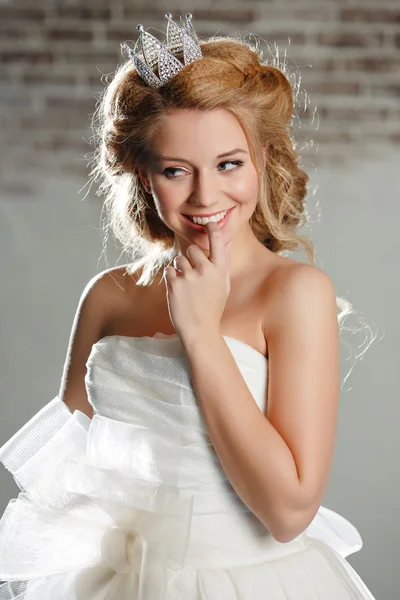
94,521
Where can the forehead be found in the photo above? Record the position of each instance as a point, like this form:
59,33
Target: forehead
213,131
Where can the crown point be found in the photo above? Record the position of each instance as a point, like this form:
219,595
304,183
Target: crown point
180,38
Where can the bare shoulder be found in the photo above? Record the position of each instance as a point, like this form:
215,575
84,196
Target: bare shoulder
114,288
292,273
101,294
294,287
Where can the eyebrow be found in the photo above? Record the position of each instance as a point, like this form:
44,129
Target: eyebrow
229,153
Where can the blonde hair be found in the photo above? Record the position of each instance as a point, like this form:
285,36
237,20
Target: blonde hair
232,75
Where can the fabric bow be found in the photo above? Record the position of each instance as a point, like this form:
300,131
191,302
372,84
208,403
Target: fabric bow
114,557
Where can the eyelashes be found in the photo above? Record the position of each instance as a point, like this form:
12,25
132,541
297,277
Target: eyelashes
237,163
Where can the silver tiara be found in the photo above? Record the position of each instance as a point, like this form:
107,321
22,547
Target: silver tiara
180,38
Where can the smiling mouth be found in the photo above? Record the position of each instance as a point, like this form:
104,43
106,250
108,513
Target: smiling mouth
209,214
223,214
202,228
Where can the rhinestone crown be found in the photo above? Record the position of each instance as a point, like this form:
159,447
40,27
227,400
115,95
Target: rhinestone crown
180,38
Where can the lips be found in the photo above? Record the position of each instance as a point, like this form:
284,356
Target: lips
209,214
202,228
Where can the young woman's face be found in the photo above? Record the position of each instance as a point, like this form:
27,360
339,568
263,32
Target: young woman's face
189,177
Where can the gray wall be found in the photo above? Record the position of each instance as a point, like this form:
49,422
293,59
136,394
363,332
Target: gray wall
51,244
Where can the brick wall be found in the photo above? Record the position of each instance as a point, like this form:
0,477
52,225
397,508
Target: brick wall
53,55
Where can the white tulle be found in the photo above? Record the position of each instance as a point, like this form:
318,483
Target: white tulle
134,504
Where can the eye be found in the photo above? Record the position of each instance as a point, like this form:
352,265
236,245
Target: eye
237,163
168,170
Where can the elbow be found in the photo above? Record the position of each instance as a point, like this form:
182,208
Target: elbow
293,525
293,521
286,524
286,536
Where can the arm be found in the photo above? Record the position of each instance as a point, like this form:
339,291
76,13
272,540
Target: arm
279,464
87,329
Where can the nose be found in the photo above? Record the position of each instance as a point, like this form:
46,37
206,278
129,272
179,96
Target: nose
206,190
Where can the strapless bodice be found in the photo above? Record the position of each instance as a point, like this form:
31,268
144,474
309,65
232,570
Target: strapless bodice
141,378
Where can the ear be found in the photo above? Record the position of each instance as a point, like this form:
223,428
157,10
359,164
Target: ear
143,176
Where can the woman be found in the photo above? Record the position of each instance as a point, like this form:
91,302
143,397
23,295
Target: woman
189,448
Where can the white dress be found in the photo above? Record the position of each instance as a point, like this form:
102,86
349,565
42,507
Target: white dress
133,504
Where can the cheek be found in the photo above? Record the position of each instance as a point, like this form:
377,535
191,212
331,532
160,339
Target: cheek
164,199
247,186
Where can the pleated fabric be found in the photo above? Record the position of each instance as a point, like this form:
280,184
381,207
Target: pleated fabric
133,504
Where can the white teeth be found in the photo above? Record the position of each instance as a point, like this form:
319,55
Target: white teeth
204,220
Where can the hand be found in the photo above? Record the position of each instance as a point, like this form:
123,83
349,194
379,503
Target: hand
197,289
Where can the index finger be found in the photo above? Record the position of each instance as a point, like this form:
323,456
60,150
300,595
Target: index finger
217,246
